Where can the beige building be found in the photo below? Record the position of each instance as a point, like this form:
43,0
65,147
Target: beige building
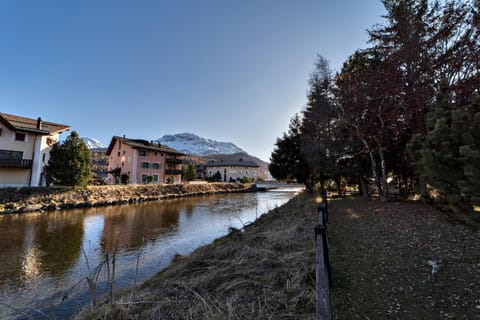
232,170
25,146
138,161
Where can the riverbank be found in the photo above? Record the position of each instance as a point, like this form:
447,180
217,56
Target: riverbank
399,260
264,271
21,200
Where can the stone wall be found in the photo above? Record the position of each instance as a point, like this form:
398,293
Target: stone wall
19,200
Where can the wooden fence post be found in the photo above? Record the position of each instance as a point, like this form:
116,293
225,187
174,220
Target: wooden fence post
322,265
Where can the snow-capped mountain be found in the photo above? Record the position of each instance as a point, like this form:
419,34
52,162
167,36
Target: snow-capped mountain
190,143
93,143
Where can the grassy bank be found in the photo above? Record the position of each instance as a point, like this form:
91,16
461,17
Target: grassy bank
402,261
19,200
265,272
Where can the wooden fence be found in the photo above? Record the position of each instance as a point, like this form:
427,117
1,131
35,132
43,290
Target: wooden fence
322,264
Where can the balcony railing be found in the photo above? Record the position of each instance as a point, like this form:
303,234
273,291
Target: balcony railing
173,160
173,171
16,163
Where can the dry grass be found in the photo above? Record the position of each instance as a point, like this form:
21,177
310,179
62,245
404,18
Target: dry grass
265,272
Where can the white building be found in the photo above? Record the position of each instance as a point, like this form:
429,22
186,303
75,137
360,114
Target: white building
25,146
232,170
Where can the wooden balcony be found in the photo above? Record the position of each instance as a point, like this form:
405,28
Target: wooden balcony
173,171
16,163
173,160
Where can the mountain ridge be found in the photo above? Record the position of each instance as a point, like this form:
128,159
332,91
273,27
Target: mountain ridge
193,144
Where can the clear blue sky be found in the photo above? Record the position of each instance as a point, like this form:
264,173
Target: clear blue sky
225,70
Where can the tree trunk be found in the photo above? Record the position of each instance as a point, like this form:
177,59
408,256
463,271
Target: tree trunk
383,165
373,164
363,186
422,189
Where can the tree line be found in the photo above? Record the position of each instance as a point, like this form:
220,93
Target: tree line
402,114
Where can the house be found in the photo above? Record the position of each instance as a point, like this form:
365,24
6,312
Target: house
25,146
232,170
138,161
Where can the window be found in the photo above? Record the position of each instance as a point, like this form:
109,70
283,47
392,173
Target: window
142,153
19,136
155,178
145,165
7,154
155,165
118,154
144,177
0,131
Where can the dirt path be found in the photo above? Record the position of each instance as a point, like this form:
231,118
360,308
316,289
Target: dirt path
402,261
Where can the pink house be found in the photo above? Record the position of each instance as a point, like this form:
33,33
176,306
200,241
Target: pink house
138,161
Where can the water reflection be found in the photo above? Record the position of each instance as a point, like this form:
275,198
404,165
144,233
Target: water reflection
47,255
132,226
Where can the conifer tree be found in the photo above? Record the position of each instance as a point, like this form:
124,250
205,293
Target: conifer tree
70,162
189,172
451,156
470,154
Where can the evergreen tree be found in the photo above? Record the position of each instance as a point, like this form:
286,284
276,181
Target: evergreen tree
70,162
451,156
470,154
189,172
287,161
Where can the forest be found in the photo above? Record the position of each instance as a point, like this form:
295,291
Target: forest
401,117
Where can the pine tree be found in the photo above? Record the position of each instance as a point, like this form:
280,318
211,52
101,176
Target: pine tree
70,162
287,161
470,154
189,172
451,156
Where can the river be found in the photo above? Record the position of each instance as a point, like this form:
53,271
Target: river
47,257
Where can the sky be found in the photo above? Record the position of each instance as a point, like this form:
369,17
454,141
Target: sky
227,70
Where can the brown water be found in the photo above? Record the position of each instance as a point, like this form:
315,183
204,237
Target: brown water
45,258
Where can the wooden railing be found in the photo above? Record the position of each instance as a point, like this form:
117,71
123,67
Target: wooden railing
322,264
16,163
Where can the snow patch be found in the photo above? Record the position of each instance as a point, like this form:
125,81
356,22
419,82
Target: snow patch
192,144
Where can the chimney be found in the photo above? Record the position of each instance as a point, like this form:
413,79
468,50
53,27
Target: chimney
39,123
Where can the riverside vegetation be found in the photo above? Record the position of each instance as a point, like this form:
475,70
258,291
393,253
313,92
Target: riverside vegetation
19,200
399,260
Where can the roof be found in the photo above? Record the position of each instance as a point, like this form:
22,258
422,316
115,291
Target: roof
37,126
142,144
238,163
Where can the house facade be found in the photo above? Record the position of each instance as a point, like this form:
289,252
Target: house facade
25,146
137,161
232,170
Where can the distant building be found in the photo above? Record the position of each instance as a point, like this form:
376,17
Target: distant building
138,161
25,146
232,170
